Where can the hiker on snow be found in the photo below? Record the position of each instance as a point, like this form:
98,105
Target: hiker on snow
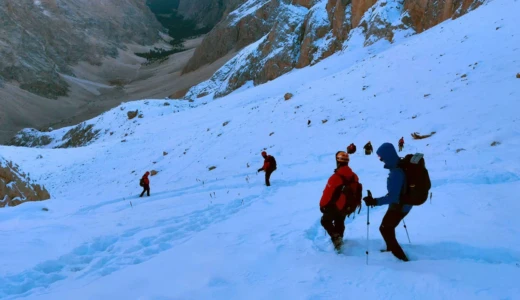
351,149
396,211
341,197
145,183
401,144
368,148
269,167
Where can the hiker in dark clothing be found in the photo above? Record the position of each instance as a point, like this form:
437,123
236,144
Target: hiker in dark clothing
351,149
269,167
396,212
401,144
145,183
334,204
368,148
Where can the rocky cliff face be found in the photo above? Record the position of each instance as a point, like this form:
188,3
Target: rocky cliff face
207,12
428,13
39,40
240,28
299,33
16,187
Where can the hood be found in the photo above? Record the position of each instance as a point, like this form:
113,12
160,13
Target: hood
147,173
388,155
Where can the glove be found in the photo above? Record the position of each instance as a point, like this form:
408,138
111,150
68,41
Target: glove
259,170
369,201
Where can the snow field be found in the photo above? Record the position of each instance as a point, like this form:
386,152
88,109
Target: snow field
221,234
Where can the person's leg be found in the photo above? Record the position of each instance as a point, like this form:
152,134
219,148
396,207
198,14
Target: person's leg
148,190
327,223
390,221
339,225
144,190
267,177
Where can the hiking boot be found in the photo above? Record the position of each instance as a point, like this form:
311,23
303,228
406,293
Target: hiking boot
400,255
337,241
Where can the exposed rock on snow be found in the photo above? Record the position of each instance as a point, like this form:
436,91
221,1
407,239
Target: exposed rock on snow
132,114
80,135
16,187
112,125
31,137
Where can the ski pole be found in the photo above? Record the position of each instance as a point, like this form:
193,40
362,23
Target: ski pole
368,223
406,232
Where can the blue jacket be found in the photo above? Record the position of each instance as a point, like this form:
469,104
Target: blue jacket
396,178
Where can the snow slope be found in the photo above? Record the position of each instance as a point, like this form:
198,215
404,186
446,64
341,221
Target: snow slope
221,234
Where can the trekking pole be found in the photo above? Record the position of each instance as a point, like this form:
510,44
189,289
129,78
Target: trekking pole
368,223
406,232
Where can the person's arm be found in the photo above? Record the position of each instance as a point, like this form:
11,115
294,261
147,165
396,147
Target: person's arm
394,185
264,167
333,181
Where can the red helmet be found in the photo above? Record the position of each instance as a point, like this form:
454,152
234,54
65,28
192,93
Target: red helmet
342,157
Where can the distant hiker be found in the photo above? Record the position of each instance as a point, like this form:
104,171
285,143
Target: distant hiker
351,149
341,197
368,148
401,144
145,183
269,167
309,123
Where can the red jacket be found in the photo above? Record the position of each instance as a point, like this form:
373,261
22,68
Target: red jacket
145,178
335,181
267,163
401,141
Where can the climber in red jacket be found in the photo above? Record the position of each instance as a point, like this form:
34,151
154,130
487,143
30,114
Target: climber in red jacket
269,167
145,183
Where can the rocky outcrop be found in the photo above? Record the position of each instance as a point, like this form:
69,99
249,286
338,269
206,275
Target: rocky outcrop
16,187
302,36
246,25
359,8
384,20
78,136
428,13
31,137
40,40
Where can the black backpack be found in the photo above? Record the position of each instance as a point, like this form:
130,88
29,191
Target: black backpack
141,182
273,162
418,184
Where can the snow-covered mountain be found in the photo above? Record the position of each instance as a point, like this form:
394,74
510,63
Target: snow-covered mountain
212,230
296,34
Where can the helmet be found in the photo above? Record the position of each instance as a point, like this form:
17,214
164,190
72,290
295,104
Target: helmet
342,157
264,153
